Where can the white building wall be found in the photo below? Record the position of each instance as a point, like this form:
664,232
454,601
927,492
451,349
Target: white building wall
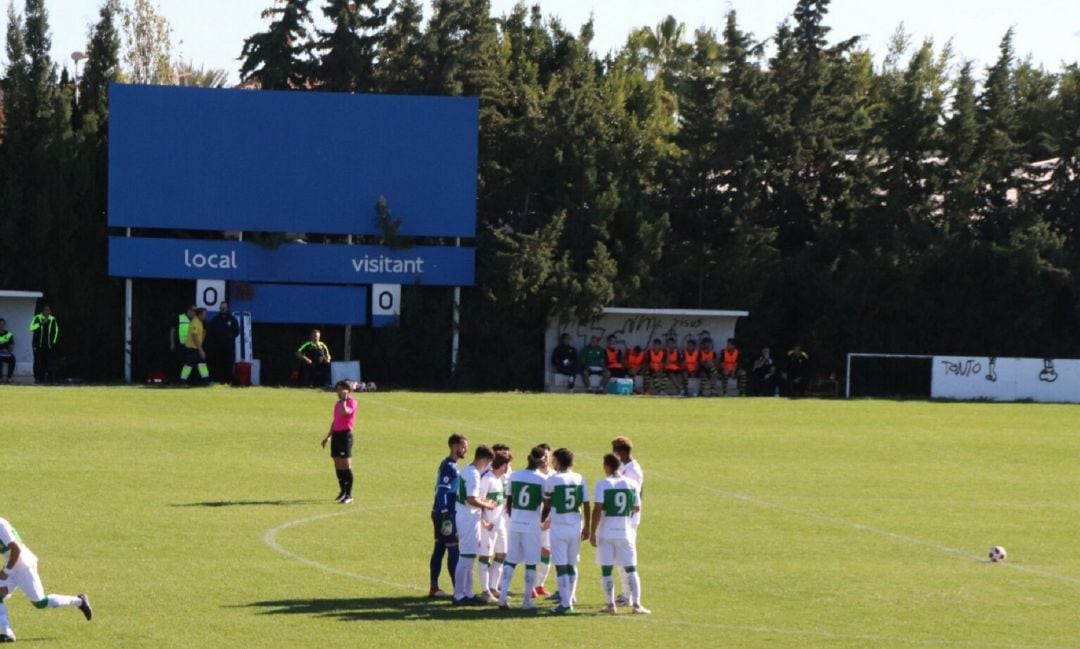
635,327
1006,379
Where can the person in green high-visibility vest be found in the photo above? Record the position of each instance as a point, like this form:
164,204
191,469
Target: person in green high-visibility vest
45,331
178,335
7,351
314,357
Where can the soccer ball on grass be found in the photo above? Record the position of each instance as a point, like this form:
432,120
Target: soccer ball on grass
997,554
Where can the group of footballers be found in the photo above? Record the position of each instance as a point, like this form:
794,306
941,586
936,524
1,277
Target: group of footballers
665,367
490,519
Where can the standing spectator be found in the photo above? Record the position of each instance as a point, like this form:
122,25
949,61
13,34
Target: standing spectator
194,350
178,334
7,351
795,372
221,337
764,375
314,358
614,365
564,360
46,333
592,362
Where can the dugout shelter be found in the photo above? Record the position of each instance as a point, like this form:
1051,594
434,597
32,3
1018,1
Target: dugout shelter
17,308
633,327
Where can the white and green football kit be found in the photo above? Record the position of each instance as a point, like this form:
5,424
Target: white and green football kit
526,504
467,516
24,576
567,493
616,536
633,471
526,499
493,541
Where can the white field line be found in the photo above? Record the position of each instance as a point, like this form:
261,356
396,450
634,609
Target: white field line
270,539
753,500
271,535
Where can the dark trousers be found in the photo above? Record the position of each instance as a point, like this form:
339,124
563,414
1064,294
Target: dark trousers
10,362
221,361
43,371
315,375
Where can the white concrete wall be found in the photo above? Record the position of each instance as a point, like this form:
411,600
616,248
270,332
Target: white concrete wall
635,330
18,311
1005,379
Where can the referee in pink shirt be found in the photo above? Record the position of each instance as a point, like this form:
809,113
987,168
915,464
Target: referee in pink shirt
341,438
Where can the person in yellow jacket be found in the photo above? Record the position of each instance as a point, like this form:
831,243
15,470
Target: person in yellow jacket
194,354
45,331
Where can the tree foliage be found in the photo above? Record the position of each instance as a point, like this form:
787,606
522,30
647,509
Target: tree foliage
912,203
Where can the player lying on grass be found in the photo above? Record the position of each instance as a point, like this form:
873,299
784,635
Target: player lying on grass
20,572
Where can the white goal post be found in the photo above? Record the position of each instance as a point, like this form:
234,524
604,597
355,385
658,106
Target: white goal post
847,373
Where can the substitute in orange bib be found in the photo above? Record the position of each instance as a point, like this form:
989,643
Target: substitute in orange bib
673,366
654,371
613,362
729,364
708,370
691,362
635,364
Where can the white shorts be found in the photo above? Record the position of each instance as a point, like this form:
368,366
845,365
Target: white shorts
612,552
24,577
523,547
501,538
468,531
565,545
493,541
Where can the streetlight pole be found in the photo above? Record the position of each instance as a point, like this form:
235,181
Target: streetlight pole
77,56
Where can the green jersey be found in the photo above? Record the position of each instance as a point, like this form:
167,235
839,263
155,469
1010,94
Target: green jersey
567,494
526,500
617,496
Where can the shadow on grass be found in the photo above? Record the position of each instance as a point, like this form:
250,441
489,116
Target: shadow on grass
417,607
249,503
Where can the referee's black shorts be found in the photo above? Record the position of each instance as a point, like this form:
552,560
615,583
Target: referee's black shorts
341,444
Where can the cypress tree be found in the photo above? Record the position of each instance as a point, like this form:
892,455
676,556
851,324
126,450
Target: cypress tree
278,59
347,60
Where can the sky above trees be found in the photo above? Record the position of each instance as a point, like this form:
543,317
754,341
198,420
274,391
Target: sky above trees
210,32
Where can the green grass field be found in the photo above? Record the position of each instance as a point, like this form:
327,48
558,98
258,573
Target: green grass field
203,518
